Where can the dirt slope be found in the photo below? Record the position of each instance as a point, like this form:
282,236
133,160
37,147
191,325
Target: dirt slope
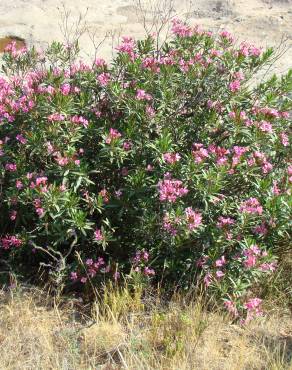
264,22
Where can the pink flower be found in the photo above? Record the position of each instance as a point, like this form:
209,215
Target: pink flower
222,161
259,155
220,153
145,256
247,50
227,36
240,150
252,254
219,274
170,190
262,160
148,271
253,304
127,46
271,112
184,66
151,64
37,203
62,161
275,189
21,139
202,261
267,167
207,279
50,90
10,241
252,206
100,62
215,53
180,29
19,184
216,105
55,117
76,90
118,193
73,276
231,308
89,262
199,153
266,127
234,86
142,95
254,51
284,139
220,262
50,147
113,135
41,180
104,79
13,215
14,51
105,196
170,225
268,266
127,145
117,275
260,229
140,256
239,75
224,222
11,167
250,261
80,120
194,219
254,249
232,115
40,211
171,158
150,111
98,235
65,89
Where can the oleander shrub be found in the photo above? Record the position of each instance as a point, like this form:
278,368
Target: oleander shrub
171,165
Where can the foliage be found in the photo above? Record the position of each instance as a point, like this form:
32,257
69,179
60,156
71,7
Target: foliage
168,164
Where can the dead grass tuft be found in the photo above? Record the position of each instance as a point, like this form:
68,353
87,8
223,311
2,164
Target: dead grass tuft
35,333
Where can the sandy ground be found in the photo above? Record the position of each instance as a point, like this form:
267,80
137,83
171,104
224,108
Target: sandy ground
264,22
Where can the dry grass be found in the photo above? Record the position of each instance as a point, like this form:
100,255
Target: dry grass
125,333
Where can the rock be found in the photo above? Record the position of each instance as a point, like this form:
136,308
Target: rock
5,41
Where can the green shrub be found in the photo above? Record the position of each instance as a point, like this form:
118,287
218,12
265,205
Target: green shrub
171,165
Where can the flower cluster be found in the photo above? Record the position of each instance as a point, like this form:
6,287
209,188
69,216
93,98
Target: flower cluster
251,206
170,190
140,261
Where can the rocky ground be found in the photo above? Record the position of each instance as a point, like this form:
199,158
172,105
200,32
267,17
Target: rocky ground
265,22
